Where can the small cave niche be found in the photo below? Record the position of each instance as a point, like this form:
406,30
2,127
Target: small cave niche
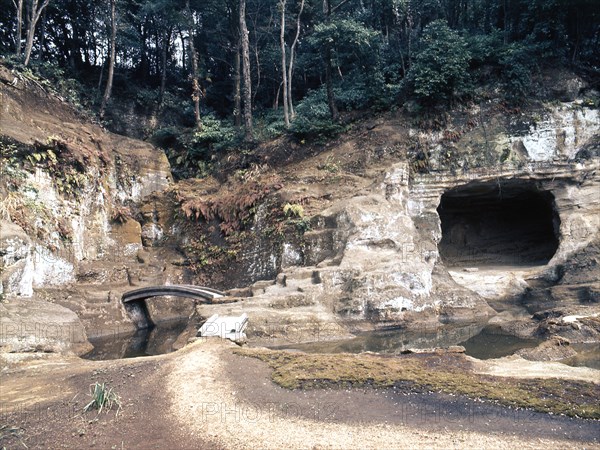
510,222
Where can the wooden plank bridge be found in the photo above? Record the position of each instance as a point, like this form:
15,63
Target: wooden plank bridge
135,300
176,290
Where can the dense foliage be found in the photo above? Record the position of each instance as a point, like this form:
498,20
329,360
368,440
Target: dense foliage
183,63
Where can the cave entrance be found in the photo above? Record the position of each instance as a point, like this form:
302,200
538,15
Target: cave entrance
510,222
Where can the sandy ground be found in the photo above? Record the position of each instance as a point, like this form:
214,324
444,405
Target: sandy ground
235,423
205,396
517,367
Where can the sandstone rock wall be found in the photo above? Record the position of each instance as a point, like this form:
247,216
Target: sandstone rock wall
371,258
70,244
374,258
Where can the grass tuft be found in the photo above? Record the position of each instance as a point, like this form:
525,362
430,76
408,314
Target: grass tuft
103,397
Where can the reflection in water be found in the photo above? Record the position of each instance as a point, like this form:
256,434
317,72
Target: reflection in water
392,341
145,342
488,345
479,342
588,355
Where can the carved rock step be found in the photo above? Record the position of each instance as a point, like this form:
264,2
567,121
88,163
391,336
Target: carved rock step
562,295
260,287
297,278
293,300
299,274
239,292
298,324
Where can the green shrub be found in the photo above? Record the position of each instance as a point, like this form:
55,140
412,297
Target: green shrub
440,69
215,135
485,48
293,210
166,137
517,60
269,125
313,120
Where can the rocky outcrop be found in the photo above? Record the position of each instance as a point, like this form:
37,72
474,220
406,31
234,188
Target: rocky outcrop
554,349
373,264
373,258
29,325
375,251
15,250
68,193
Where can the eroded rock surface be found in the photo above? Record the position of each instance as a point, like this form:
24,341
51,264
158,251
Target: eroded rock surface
29,325
372,247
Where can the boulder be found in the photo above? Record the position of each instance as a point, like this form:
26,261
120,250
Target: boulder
30,325
554,349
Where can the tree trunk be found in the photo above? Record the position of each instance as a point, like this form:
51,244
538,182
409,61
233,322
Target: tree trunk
505,17
111,64
258,74
335,115
34,15
237,94
286,114
276,101
182,48
291,66
144,66
42,35
101,75
196,92
245,44
157,50
19,31
409,26
163,64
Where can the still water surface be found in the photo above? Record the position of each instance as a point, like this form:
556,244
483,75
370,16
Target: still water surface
482,343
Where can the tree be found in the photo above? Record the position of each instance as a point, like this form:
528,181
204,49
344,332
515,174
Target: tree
440,69
352,46
247,90
160,19
237,88
35,12
237,56
19,32
111,64
333,109
290,76
196,91
286,108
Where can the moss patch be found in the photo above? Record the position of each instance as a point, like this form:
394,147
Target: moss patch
444,373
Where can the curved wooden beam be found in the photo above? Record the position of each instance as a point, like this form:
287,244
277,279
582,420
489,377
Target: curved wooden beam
177,290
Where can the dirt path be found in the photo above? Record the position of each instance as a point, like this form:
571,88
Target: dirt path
41,406
265,416
204,396
516,367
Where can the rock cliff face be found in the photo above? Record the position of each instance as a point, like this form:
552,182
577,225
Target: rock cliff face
423,246
66,233
478,220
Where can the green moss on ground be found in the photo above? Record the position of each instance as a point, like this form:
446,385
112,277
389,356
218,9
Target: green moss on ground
446,373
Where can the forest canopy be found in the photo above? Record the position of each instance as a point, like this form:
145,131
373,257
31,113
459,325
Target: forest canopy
240,70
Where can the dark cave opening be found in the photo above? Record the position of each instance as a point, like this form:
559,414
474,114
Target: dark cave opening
510,222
